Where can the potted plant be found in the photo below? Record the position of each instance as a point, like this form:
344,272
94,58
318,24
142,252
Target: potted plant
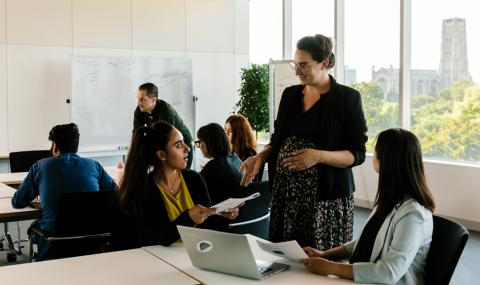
253,102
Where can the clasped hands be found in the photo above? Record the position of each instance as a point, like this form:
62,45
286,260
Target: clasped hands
316,261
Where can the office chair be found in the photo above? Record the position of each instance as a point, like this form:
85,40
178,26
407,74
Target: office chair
448,241
254,216
21,161
259,176
82,225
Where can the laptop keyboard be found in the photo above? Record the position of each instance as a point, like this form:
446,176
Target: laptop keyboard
263,269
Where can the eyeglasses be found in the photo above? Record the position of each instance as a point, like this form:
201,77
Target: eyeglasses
303,66
197,143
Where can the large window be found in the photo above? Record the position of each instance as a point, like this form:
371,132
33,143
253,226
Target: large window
372,60
311,17
445,64
445,76
265,30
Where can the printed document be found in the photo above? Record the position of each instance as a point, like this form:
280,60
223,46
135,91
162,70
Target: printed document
287,249
233,203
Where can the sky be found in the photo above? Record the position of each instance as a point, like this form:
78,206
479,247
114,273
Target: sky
372,31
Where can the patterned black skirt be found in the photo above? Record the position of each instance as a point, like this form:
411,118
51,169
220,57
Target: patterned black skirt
298,214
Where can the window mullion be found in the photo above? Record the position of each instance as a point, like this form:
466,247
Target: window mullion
405,62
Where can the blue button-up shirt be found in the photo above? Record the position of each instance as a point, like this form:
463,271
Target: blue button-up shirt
53,176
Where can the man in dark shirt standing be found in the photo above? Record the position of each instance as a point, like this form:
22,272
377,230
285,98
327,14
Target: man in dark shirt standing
64,172
151,109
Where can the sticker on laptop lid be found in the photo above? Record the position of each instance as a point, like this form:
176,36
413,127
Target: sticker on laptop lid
204,246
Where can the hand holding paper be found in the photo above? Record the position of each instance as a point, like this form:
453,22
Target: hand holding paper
232,203
287,249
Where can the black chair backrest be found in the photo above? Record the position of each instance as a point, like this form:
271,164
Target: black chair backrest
448,241
83,213
21,161
259,176
257,207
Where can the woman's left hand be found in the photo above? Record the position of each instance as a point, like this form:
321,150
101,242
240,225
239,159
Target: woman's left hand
301,159
317,265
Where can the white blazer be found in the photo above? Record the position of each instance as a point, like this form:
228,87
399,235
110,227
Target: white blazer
400,249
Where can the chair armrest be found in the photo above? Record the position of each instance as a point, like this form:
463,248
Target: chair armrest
250,221
34,229
50,237
92,236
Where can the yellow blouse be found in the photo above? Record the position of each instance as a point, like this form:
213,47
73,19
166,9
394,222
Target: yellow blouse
178,203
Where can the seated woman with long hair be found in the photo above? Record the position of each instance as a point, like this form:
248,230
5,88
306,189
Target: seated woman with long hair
221,173
393,245
240,136
158,193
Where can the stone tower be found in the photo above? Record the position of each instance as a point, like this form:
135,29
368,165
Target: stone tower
453,58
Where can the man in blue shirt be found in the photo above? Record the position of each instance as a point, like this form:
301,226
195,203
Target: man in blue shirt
64,172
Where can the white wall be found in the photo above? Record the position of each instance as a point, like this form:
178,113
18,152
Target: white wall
37,38
455,187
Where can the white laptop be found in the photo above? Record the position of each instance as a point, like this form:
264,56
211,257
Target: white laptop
226,253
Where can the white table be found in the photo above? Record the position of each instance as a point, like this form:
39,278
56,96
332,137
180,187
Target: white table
12,178
297,274
17,177
10,214
6,191
128,267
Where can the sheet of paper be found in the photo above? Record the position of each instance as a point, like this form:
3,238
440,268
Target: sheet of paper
287,249
233,203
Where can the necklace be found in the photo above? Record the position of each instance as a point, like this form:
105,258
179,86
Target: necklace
172,187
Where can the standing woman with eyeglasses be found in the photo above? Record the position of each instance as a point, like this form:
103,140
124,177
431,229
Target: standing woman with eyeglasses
319,135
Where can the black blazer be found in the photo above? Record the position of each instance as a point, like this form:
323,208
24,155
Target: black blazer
155,226
341,126
222,176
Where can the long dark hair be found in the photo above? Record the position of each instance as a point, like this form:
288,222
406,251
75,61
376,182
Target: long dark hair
401,171
243,138
215,140
146,141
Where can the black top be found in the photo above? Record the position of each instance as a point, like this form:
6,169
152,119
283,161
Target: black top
222,176
165,112
364,247
155,226
335,122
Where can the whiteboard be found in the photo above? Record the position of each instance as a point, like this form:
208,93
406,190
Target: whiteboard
104,95
281,76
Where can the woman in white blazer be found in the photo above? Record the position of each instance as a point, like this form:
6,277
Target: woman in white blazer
394,243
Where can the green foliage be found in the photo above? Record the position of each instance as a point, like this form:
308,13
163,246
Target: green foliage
379,114
253,103
449,126
447,123
421,100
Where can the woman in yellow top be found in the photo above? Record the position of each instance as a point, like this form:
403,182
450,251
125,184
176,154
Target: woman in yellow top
158,192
